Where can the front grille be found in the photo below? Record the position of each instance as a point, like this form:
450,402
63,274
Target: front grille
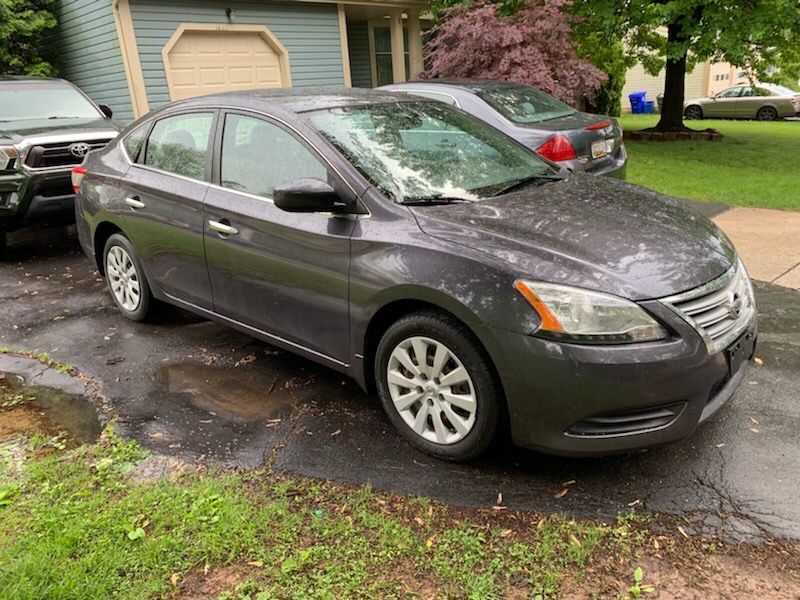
719,311
627,423
46,156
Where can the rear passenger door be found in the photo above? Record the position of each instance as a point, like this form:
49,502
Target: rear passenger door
164,193
282,273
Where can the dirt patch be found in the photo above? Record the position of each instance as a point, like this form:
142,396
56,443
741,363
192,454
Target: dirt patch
202,584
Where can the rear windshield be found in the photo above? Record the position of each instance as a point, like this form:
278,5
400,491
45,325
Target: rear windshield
20,100
524,105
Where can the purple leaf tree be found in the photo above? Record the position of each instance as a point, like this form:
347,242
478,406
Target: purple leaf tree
531,46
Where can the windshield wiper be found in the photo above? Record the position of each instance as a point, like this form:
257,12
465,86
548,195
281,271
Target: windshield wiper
528,180
59,117
433,200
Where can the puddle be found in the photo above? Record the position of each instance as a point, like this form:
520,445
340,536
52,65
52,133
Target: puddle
239,395
30,409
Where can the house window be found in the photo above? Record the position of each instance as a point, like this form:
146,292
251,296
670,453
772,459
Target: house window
382,55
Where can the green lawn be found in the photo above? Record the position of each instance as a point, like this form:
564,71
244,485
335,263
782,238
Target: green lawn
756,164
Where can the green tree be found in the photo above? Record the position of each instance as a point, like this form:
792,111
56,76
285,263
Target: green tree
25,26
599,34
752,34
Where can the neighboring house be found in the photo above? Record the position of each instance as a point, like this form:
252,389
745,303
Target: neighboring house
707,78
136,55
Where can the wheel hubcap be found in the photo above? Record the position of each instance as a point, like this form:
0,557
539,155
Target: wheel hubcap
123,278
432,390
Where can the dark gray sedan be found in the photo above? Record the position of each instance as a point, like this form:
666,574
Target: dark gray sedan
438,262
575,140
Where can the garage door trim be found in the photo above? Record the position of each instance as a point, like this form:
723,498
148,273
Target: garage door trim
261,30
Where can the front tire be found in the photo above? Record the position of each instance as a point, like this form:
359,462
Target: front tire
125,279
437,386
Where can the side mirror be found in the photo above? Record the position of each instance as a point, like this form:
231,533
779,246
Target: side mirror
106,110
307,195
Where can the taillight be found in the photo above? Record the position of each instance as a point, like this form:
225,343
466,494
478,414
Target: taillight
558,148
600,125
78,173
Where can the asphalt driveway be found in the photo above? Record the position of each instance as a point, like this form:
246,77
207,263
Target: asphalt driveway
199,391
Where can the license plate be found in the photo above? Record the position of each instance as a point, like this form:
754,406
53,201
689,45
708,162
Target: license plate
740,351
602,148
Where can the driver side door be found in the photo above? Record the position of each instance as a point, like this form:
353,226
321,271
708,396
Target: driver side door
284,274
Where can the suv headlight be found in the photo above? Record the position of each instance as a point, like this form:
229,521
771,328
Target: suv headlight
588,317
8,157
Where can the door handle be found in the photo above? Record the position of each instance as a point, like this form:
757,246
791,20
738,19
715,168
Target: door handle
222,228
134,202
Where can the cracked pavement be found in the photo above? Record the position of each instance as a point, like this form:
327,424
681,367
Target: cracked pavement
203,393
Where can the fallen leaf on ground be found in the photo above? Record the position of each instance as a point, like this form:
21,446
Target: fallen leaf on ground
758,361
175,579
683,532
256,563
721,445
570,482
754,421
561,494
335,433
754,430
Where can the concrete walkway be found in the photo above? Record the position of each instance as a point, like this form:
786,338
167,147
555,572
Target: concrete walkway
768,241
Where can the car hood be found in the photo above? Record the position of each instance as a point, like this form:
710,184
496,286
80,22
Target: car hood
592,232
15,132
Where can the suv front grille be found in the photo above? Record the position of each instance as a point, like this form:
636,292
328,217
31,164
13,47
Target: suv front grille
719,311
47,156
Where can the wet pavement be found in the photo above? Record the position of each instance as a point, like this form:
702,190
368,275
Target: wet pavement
201,392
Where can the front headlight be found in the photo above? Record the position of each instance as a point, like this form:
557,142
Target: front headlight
583,316
8,157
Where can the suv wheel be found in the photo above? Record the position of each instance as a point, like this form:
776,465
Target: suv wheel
125,278
437,387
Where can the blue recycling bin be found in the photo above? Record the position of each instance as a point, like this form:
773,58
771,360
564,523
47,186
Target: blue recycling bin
649,107
637,102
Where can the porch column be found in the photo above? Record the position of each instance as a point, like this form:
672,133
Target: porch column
345,48
398,47
415,64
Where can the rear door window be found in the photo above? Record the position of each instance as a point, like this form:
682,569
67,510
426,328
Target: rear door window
180,145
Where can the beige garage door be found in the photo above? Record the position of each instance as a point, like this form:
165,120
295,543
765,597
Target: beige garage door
201,60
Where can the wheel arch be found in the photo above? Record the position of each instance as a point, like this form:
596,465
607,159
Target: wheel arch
102,232
394,309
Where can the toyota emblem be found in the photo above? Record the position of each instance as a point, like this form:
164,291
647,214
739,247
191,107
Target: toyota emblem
735,306
80,149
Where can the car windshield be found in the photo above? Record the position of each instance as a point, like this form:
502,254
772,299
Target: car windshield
21,100
428,151
522,104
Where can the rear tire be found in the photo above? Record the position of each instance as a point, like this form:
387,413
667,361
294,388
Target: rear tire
767,113
693,112
452,405
125,278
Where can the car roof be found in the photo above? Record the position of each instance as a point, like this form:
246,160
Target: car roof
470,85
30,79
296,100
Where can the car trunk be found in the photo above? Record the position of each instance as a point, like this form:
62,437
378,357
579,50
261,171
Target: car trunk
596,138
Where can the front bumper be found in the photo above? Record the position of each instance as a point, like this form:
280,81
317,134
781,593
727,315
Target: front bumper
36,197
581,400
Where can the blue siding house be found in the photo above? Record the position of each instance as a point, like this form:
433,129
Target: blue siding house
136,55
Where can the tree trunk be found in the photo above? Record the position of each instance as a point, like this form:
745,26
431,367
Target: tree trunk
674,86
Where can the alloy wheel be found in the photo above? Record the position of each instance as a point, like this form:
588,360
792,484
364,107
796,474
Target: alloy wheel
693,112
767,113
123,278
432,390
